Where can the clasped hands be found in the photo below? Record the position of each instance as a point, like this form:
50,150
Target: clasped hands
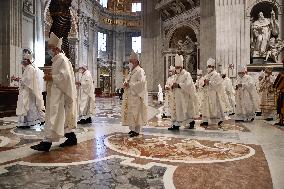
47,77
206,82
125,85
13,78
77,83
175,86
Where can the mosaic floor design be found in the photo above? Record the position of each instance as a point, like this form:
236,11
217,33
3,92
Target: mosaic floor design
178,149
104,174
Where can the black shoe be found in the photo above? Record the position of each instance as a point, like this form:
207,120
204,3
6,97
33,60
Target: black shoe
191,125
82,121
88,120
269,119
42,123
23,127
252,119
231,114
130,132
239,120
71,140
133,134
173,128
204,124
258,113
42,146
219,123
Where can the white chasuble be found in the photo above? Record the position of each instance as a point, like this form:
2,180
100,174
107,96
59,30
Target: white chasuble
169,105
135,99
30,101
61,98
185,99
87,95
247,99
215,102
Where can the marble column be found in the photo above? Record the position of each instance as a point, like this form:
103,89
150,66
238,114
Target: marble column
10,39
232,31
119,57
207,32
151,56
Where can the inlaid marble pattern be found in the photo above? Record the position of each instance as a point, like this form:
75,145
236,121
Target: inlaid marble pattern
104,174
178,150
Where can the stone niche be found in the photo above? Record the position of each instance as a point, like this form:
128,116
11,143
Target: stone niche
266,37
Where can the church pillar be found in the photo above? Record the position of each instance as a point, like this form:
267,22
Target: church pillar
232,32
151,59
207,32
10,39
119,56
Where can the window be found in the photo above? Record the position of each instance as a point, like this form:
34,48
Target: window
136,44
136,7
101,41
103,3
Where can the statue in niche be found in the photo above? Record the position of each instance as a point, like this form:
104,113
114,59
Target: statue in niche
188,50
262,30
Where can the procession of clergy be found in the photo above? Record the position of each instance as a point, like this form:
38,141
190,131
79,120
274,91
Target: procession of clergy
212,97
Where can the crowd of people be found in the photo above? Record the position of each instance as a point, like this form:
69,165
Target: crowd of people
212,97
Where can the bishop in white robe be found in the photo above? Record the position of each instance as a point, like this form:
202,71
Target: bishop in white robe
86,96
199,83
247,99
61,107
169,104
185,98
135,97
30,105
214,103
230,91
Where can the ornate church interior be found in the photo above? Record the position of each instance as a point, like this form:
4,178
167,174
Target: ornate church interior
142,94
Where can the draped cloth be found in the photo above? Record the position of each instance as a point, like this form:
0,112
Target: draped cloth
215,102
185,99
87,96
135,100
247,99
61,107
30,103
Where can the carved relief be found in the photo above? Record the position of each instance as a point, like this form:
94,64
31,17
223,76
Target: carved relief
28,6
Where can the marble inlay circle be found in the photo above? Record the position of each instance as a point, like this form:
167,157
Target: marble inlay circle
182,150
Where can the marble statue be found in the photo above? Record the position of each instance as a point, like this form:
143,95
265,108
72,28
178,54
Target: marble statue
261,32
264,33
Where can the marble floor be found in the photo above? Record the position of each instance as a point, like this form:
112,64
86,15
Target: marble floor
234,156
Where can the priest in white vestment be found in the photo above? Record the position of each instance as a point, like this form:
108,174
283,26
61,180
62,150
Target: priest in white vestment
169,99
215,101
185,99
86,96
160,94
247,99
199,83
30,105
135,97
230,91
61,106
